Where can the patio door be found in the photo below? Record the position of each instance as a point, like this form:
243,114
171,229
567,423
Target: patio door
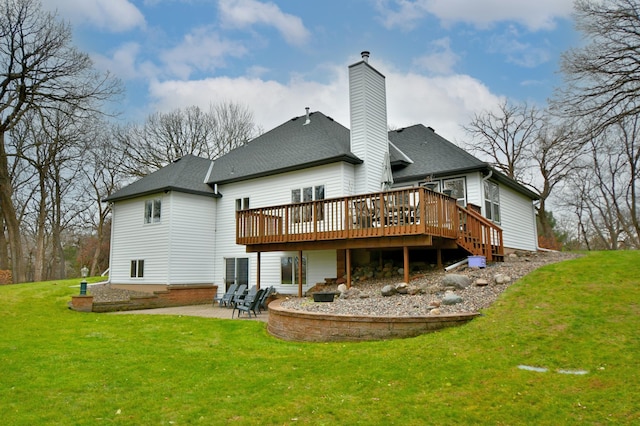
236,271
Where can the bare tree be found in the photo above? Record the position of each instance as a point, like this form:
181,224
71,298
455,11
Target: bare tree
602,77
526,144
165,137
102,172
39,70
554,153
504,136
604,192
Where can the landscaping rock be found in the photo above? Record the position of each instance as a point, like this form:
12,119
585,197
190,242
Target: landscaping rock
388,290
502,279
451,299
460,282
342,288
401,288
481,282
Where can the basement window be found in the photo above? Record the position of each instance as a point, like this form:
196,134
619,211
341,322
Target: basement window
137,268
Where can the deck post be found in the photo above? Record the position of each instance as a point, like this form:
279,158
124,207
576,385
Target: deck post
439,258
405,252
348,256
258,273
300,273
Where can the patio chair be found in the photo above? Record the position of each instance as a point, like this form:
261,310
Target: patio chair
265,295
238,295
226,298
248,304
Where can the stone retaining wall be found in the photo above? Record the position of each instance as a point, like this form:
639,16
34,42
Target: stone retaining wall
293,325
180,295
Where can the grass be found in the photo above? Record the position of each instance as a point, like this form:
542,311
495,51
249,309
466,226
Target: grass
63,367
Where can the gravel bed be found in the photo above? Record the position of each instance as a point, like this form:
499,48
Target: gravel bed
105,293
368,300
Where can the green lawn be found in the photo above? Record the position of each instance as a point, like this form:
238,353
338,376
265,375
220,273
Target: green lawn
63,367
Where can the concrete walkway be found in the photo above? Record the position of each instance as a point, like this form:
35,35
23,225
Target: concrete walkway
206,311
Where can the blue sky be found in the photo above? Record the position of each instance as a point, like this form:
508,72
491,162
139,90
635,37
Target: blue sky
444,60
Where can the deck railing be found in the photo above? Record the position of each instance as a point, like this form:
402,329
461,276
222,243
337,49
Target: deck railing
410,211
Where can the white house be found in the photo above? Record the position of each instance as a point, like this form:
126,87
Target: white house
201,221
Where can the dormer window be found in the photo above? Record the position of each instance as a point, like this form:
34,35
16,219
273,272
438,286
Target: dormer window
152,210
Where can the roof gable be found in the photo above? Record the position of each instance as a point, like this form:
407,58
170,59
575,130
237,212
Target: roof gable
431,154
293,145
186,174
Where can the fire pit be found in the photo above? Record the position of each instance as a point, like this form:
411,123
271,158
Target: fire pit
324,296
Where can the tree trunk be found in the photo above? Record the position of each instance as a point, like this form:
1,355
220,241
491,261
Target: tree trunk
4,251
40,261
10,217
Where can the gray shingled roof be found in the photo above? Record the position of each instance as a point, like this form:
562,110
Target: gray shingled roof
187,174
415,152
290,146
433,155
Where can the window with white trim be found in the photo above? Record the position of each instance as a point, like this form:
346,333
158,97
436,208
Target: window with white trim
289,269
306,194
491,201
152,210
137,268
242,203
458,189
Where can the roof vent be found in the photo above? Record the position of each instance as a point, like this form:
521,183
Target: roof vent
365,56
431,128
308,120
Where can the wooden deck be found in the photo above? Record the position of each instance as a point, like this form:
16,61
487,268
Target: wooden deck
412,217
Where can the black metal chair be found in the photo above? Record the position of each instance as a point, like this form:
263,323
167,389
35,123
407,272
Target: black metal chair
248,304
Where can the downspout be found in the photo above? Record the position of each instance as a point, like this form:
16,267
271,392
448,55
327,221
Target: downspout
484,179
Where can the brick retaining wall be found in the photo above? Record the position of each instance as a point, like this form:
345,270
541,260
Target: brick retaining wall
179,295
299,326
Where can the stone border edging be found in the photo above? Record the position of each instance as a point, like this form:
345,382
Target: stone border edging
301,326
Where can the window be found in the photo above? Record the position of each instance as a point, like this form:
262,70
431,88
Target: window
305,195
289,270
457,187
242,204
137,268
152,210
491,201
236,271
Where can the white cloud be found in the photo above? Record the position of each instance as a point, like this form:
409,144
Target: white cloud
440,59
517,52
124,62
107,15
445,103
201,50
245,13
535,15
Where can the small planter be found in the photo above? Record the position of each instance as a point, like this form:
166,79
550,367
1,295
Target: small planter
324,296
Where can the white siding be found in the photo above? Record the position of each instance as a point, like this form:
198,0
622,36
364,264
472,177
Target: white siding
132,239
192,239
270,191
517,220
368,116
474,189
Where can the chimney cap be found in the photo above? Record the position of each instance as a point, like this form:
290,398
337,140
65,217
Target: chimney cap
365,55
